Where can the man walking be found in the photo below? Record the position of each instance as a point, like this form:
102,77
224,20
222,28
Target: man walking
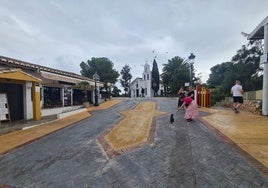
237,92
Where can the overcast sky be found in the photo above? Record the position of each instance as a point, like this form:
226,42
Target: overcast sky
62,33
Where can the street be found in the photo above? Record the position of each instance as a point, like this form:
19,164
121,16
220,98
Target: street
182,154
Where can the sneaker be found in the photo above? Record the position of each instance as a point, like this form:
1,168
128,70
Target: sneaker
189,120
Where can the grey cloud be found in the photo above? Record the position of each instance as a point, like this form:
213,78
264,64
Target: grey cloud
61,34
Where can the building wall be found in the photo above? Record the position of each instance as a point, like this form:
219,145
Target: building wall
22,74
144,82
53,111
252,102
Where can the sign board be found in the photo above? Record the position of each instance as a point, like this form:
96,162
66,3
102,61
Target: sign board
186,84
4,109
264,59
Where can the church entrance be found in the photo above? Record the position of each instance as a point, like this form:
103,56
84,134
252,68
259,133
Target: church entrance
137,93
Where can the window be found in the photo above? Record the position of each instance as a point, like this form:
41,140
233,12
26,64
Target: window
147,76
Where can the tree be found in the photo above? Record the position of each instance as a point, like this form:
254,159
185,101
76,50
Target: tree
155,78
247,60
217,74
245,66
104,68
116,91
175,74
125,77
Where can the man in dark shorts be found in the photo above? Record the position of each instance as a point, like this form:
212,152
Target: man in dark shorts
237,92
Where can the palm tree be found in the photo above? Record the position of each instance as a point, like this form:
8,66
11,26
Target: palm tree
175,74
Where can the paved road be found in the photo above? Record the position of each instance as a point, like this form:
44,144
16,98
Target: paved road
182,155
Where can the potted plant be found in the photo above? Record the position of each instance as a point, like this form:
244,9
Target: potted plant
85,87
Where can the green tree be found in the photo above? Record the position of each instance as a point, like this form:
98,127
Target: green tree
116,91
104,68
125,77
155,78
245,66
217,74
175,74
249,70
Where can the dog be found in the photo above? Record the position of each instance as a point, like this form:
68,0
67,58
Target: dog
171,118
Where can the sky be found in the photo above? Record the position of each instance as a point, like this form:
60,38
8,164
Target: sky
62,33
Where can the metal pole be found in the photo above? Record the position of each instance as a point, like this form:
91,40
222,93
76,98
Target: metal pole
190,74
96,94
191,58
265,74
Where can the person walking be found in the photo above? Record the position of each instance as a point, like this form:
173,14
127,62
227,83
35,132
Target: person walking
237,92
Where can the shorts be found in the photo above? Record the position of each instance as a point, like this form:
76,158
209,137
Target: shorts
238,99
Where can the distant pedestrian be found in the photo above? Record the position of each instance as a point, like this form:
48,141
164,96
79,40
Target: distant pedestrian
191,109
181,94
237,92
142,92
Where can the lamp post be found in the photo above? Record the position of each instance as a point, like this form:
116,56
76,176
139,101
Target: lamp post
191,58
96,78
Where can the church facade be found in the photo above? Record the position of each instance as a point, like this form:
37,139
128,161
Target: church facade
142,86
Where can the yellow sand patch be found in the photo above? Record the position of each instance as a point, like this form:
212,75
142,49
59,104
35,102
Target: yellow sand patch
134,129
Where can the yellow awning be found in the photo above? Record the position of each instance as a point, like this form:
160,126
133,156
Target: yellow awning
17,74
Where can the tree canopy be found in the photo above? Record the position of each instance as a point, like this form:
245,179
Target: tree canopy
125,77
155,78
104,68
245,66
175,74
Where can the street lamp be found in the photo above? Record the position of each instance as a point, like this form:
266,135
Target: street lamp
191,62
96,78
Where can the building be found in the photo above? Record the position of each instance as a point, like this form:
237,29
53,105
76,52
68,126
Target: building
142,87
30,91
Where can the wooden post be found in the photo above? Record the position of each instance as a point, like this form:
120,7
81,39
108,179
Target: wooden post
36,101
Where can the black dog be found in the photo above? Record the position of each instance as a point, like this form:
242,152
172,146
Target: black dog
171,118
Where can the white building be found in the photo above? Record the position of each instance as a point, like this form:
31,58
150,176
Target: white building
144,83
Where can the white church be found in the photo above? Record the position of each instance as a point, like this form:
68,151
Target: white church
144,84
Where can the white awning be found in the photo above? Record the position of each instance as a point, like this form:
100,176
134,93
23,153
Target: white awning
258,32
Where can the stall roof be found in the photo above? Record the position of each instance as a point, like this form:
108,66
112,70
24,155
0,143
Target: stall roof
46,74
17,74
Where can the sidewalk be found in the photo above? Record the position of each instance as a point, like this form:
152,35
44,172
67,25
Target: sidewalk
245,130
19,138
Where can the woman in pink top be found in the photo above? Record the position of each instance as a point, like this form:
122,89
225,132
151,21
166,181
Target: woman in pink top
191,109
